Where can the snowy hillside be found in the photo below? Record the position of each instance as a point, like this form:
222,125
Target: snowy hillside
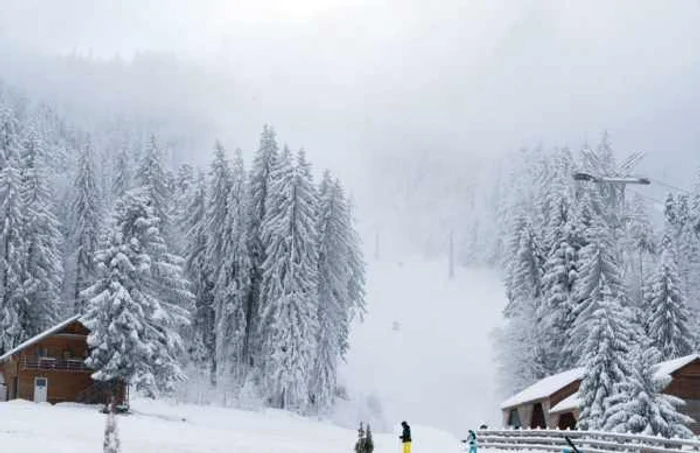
161,427
424,349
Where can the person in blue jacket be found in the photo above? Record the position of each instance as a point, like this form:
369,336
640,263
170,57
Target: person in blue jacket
471,439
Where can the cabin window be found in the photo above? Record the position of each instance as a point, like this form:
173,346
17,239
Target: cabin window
67,354
42,352
514,418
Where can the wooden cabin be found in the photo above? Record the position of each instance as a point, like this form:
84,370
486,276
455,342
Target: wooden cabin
554,402
51,368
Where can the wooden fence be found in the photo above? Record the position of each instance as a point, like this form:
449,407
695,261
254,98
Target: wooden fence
545,440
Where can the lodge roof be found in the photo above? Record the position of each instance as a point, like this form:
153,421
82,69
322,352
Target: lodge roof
544,388
39,337
550,385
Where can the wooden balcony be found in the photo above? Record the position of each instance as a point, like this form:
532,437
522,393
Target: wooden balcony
53,363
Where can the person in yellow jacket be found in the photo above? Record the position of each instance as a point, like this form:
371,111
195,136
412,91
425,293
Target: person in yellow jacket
406,437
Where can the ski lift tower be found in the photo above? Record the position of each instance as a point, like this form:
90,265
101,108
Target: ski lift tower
617,185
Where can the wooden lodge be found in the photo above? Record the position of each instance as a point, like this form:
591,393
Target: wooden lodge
554,403
51,368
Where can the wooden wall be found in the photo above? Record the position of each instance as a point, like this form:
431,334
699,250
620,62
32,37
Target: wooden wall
56,346
686,385
62,385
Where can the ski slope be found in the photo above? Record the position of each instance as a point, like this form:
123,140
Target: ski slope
164,427
424,351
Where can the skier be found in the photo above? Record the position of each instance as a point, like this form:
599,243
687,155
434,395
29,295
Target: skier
472,442
406,437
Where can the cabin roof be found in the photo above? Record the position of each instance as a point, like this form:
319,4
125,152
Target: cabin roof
544,388
671,366
552,384
55,329
567,404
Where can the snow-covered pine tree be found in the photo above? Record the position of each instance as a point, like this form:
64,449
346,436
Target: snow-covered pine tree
13,307
336,244
522,351
232,287
524,275
289,291
640,247
519,352
560,268
86,219
43,265
356,284
152,177
680,219
184,186
122,177
668,320
599,276
260,181
135,307
605,356
217,235
640,407
196,266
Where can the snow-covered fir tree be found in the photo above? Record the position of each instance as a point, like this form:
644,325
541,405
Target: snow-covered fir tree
519,352
560,272
260,181
217,211
599,278
138,303
196,267
184,186
336,242
122,174
232,288
668,321
289,290
332,292
524,274
43,264
13,309
640,407
524,288
356,285
605,358
682,221
153,178
86,222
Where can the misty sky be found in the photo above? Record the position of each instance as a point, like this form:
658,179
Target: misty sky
356,81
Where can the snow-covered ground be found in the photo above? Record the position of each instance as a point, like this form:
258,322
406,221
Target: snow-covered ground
167,428
424,351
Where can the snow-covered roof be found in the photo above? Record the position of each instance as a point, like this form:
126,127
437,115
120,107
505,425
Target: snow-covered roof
38,338
544,388
567,404
664,369
671,366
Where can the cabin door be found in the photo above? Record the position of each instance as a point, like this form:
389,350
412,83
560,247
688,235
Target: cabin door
41,390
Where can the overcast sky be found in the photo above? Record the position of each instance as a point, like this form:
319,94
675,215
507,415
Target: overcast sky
353,80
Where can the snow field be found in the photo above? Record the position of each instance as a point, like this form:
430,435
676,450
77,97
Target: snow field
424,350
160,426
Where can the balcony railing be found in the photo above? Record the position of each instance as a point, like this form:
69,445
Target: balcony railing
52,363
